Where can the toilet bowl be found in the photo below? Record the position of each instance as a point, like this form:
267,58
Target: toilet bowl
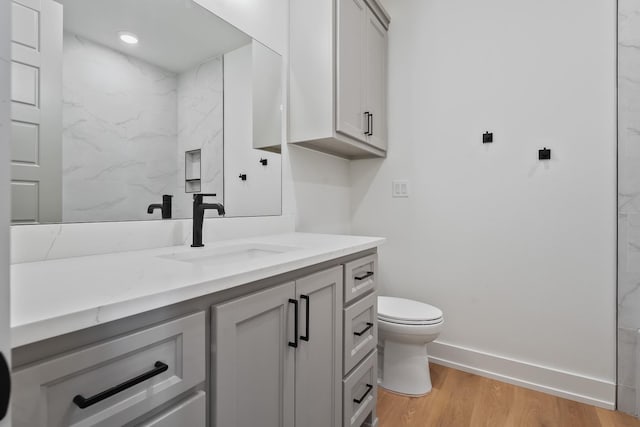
404,329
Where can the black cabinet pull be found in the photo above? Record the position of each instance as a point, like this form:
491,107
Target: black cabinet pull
5,386
371,125
364,276
294,344
361,333
306,316
367,116
366,393
83,403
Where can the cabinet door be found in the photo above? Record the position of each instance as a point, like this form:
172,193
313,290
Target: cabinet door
376,80
350,56
191,412
319,356
253,375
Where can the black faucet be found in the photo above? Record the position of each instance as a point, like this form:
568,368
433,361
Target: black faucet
198,216
165,207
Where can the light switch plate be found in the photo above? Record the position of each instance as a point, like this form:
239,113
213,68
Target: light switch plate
400,188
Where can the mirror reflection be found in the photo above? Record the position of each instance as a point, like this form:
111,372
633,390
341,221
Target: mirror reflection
124,109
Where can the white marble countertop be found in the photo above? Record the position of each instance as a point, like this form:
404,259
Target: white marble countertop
51,298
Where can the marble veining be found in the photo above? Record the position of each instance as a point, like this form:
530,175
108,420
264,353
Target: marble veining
119,133
126,127
200,125
57,241
628,205
98,289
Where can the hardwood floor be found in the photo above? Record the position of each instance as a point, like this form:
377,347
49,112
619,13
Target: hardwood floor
459,399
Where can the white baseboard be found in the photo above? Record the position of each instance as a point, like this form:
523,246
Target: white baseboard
564,384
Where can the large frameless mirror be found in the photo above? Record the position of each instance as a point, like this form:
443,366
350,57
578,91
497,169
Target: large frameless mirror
123,109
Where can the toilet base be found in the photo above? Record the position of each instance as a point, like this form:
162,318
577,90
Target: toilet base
405,369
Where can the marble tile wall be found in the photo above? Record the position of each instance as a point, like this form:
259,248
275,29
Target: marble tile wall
119,133
127,125
628,205
200,126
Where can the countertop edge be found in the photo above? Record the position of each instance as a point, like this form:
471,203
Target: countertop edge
29,333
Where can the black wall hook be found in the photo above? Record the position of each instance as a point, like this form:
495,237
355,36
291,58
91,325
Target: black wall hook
264,162
544,154
243,176
487,138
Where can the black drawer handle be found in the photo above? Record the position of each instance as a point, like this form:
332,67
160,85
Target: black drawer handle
367,118
294,344
83,403
306,316
361,333
364,276
366,393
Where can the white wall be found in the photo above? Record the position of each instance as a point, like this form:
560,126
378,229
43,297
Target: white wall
261,192
519,254
265,21
322,191
5,57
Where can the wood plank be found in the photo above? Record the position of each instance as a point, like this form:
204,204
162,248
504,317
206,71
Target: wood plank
459,399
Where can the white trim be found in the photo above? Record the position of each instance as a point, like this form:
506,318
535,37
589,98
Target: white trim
569,385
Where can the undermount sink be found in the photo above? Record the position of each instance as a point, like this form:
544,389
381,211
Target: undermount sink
228,254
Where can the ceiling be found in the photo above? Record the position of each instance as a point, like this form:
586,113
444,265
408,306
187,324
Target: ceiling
173,34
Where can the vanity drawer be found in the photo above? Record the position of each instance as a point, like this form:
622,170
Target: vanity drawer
360,391
190,413
359,277
158,364
360,330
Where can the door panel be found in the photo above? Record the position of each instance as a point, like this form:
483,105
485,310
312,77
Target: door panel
36,95
319,359
253,363
350,118
376,80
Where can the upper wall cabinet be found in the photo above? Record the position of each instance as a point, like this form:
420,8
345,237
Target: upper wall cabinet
338,77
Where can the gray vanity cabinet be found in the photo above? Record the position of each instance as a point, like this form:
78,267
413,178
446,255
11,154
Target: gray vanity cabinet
119,381
278,355
319,352
254,370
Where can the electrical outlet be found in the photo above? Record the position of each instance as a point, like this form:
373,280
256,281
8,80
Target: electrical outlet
400,188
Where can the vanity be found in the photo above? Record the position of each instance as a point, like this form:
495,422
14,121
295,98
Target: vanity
271,331
135,125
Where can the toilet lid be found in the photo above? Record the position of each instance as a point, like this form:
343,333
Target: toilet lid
400,310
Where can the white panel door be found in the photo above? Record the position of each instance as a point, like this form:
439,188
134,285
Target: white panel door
351,119
376,81
253,365
319,355
5,118
36,111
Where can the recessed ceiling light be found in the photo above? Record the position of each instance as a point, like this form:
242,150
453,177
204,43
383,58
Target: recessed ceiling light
128,38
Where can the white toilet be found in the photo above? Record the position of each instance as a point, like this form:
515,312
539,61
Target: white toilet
404,329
